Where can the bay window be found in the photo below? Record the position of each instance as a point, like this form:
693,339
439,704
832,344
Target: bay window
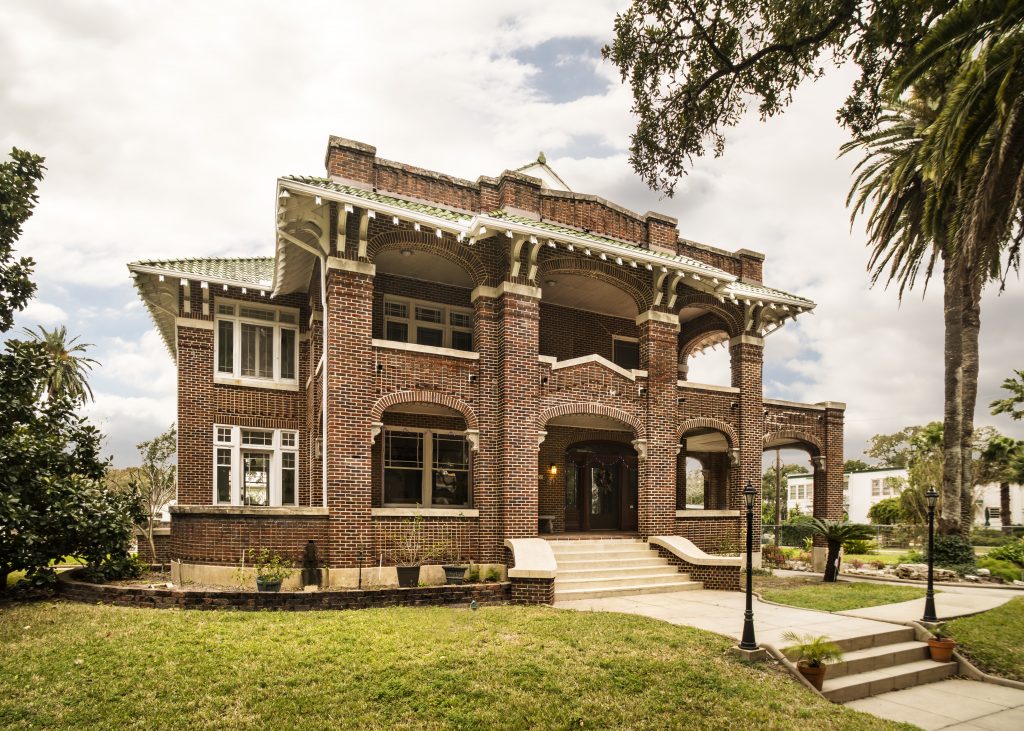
425,467
255,467
256,342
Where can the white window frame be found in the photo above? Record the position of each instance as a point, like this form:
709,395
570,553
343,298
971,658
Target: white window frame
275,449
237,320
426,479
626,339
412,323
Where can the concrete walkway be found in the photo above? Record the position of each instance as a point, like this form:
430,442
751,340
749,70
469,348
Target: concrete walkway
964,705
947,606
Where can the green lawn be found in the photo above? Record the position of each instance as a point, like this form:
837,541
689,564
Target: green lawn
835,597
994,640
80,666
889,559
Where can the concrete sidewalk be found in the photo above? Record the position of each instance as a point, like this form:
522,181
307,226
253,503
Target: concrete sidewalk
963,705
947,606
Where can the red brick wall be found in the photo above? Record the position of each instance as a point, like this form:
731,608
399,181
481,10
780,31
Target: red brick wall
222,539
568,333
718,535
747,358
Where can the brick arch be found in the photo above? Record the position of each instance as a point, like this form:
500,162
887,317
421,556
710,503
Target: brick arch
730,316
706,422
596,410
445,247
807,440
596,269
429,397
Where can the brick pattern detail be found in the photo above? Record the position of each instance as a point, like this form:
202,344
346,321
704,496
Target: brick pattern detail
533,591
658,471
717,536
747,361
293,601
567,333
222,539
162,541
720,578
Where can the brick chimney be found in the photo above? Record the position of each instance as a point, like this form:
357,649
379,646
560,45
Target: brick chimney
661,232
751,265
350,160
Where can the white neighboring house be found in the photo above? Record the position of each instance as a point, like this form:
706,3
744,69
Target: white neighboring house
861,490
864,488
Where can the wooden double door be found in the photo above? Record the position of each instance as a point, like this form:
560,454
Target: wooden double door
601,487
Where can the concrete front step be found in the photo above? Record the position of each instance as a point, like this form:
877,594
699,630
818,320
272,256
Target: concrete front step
629,590
666,577
896,677
615,572
881,656
611,563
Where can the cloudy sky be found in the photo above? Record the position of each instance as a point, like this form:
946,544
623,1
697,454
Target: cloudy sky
165,124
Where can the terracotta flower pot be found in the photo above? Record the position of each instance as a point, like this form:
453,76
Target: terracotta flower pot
815,674
941,650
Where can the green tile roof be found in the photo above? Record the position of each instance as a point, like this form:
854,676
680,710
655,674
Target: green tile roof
742,289
424,208
567,231
254,270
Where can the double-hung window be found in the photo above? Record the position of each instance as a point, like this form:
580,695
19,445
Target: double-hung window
256,342
423,467
255,467
428,323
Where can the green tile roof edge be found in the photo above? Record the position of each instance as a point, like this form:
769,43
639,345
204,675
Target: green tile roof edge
427,208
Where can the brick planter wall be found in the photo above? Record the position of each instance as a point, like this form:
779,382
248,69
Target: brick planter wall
131,596
723,578
221,539
162,541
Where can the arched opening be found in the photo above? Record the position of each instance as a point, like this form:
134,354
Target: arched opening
793,487
588,474
423,298
704,469
704,355
423,456
584,315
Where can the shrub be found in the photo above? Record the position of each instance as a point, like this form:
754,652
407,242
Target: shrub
953,552
859,545
473,574
1009,552
492,574
1008,571
857,563
912,557
989,537
773,556
878,565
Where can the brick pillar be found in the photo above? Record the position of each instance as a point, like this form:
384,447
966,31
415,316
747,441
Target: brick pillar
350,396
518,318
747,354
659,332
487,493
681,478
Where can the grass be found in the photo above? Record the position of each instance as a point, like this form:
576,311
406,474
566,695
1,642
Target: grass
993,640
90,667
889,559
813,593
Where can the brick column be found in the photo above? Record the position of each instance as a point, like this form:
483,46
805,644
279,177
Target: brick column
747,354
487,493
518,312
659,332
350,396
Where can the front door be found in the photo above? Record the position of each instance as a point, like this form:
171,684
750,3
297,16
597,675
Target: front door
601,487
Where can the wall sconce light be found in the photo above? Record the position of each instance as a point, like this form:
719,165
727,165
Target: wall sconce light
553,470
543,380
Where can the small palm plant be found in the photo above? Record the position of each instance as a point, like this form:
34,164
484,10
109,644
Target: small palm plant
836,533
813,654
68,366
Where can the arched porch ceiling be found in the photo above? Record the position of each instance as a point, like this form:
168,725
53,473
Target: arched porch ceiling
418,264
423,408
591,421
589,294
706,440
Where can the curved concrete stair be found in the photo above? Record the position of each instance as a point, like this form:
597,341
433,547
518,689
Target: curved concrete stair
881,662
593,569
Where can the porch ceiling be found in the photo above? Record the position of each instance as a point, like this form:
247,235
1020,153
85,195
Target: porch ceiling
587,293
590,421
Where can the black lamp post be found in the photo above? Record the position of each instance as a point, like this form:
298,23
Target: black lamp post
929,602
748,642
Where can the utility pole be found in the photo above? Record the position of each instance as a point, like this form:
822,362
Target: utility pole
778,497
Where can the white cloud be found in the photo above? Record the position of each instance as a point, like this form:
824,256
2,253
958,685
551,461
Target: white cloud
165,124
37,312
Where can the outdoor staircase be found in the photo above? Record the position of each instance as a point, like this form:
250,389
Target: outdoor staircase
878,663
597,568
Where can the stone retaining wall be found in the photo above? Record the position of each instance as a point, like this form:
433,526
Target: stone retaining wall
137,596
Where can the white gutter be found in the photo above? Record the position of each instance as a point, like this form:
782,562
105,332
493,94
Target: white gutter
323,355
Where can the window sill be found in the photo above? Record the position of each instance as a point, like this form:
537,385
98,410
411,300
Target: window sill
425,512
701,513
255,383
274,511
426,349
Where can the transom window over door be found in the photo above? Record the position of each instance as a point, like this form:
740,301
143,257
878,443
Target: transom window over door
423,467
256,342
428,323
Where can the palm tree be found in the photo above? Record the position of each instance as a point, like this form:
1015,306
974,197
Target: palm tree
1001,462
67,372
907,229
836,533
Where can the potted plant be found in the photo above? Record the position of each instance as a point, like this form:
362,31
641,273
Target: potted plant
940,645
410,552
814,654
271,569
454,568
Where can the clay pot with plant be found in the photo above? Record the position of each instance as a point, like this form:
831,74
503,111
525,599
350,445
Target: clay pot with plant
813,655
271,569
940,645
410,550
453,565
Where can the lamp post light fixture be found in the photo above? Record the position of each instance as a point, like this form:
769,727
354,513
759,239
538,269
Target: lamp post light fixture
748,642
929,602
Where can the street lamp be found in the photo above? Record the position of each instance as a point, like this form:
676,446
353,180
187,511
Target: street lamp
929,602
748,642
